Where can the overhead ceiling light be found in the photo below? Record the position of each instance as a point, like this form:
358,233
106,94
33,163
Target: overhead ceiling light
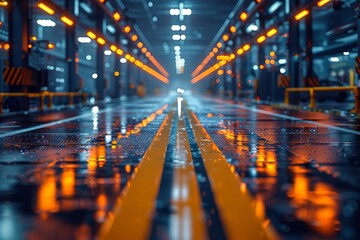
183,37
123,60
183,27
177,48
86,8
155,19
111,29
174,12
176,37
88,57
150,4
175,27
107,52
252,28
84,40
274,7
334,59
46,23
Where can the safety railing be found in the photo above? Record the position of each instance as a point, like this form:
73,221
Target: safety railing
312,91
45,95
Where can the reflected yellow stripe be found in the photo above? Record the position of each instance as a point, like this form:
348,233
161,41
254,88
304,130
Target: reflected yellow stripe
234,203
188,221
133,211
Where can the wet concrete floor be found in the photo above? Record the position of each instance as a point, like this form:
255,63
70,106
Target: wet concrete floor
61,172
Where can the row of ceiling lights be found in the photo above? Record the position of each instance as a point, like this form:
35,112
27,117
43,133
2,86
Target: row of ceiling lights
181,12
101,40
260,39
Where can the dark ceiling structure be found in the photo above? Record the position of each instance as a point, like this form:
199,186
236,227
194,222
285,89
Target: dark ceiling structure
155,22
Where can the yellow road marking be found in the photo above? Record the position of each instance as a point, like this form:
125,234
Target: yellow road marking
188,221
133,211
233,201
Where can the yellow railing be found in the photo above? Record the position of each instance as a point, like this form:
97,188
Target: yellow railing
42,97
312,91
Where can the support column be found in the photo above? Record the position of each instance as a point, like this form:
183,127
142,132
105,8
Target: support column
71,52
294,53
262,89
117,68
100,61
18,53
309,45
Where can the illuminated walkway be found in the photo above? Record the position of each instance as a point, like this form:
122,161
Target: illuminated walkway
162,168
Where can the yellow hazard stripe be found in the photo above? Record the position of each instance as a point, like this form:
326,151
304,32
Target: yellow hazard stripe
188,221
133,211
233,201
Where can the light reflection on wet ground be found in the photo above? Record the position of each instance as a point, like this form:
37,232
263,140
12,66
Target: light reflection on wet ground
302,176
61,182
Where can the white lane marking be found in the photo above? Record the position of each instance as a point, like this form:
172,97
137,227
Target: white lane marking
300,119
20,131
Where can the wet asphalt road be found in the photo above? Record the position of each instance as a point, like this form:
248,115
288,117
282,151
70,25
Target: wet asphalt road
59,179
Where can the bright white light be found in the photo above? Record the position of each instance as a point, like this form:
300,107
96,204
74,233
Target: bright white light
175,12
252,28
346,53
177,52
155,18
94,76
84,40
46,23
255,67
177,57
179,100
88,57
123,60
95,110
183,27
175,27
282,61
107,52
177,48
186,11
334,59
182,37
282,70
176,37
150,4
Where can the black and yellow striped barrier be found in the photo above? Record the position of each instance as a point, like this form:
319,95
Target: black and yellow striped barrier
18,76
357,65
312,91
283,81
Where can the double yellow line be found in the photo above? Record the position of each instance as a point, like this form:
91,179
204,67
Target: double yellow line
134,210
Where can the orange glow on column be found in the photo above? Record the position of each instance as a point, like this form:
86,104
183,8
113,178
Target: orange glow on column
233,29
301,14
215,50
219,45
67,21
46,8
51,46
323,2
243,16
144,49
261,39
4,4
